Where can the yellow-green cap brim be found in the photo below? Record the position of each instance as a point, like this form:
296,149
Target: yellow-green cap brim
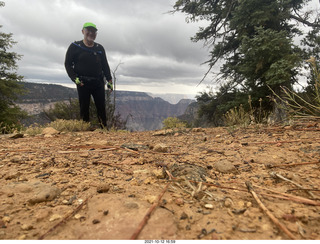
89,24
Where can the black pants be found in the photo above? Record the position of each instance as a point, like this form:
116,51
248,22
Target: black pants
94,88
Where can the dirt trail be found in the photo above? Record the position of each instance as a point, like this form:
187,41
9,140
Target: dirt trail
97,185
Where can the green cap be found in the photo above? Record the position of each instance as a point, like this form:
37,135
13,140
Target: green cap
89,24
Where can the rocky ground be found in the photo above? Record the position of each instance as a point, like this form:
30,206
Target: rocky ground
184,185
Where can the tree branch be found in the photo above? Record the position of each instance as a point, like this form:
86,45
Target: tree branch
304,21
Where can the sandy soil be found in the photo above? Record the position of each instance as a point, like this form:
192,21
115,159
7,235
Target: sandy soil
162,185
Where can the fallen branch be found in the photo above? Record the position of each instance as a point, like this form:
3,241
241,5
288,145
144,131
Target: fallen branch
270,215
288,165
81,151
291,197
276,175
64,220
148,215
99,150
268,142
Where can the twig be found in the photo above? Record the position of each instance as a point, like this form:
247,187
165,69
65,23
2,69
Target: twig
148,215
269,142
64,219
276,175
288,165
270,215
81,151
292,197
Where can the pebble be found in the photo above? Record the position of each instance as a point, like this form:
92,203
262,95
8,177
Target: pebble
46,193
55,217
184,215
161,148
79,217
208,206
131,205
103,188
158,173
179,201
151,199
225,166
26,227
22,237
6,219
228,203
95,221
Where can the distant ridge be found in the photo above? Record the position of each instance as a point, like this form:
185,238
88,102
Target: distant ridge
142,111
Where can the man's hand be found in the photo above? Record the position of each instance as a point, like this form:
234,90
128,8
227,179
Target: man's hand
78,82
109,85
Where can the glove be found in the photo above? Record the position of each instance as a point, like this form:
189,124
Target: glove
110,86
77,81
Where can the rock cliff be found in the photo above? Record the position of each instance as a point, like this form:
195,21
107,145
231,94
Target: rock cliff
142,111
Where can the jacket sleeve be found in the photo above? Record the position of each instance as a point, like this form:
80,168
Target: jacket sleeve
69,63
105,66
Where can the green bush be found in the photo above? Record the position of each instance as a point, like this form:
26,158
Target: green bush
173,122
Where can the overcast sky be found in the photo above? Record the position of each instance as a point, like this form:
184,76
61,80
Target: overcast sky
153,46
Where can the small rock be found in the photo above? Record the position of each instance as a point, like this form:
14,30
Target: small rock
2,225
16,159
224,166
151,199
55,217
80,217
103,188
131,205
22,237
11,194
45,194
179,201
249,204
6,219
158,173
95,221
228,203
161,148
12,175
198,130
184,216
208,206
149,180
26,227
77,216
240,204
106,212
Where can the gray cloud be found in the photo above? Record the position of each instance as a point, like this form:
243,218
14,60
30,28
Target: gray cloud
153,45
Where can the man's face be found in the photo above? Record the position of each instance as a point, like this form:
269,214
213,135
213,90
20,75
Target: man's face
89,33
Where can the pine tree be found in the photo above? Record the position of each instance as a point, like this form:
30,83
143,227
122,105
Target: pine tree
254,40
10,85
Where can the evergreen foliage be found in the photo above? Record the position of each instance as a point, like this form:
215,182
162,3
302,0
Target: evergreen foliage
10,85
253,39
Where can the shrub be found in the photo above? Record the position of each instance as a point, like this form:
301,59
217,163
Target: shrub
173,122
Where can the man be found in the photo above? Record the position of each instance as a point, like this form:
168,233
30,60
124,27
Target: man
86,64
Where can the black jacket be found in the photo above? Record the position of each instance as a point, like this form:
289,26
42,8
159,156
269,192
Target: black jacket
86,61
